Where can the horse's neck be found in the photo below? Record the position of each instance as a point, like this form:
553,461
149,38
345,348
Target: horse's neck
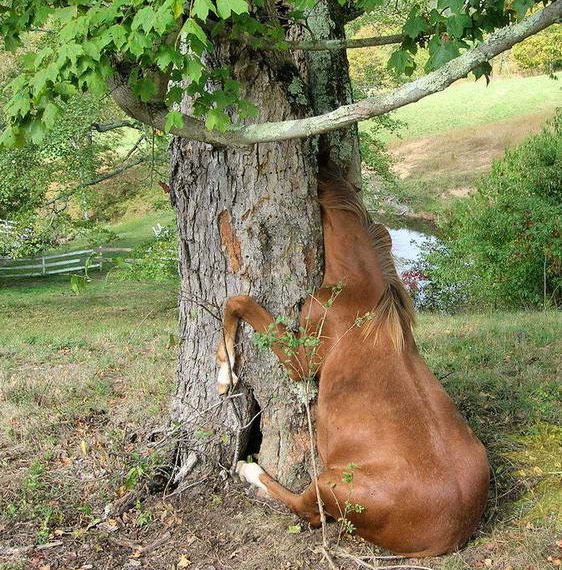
349,255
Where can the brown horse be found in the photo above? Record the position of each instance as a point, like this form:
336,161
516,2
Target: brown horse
389,436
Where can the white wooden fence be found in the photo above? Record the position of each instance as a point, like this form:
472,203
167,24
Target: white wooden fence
7,226
55,263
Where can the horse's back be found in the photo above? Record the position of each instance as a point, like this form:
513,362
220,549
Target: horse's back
417,458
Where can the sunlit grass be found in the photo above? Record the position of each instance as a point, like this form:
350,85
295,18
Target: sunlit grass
472,103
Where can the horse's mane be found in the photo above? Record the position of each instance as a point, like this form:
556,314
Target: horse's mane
394,311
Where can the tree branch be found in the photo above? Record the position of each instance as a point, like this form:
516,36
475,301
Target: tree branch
104,127
98,179
238,136
324,45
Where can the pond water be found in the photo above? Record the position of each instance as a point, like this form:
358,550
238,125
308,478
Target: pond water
406,246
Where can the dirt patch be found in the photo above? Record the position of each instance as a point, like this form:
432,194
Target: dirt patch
225,528
459,151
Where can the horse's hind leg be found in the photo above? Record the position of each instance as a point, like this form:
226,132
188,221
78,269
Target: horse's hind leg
245,308
305,505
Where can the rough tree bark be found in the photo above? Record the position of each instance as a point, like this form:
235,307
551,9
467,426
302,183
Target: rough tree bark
249,224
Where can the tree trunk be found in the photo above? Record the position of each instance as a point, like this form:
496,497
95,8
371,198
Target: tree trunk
249,223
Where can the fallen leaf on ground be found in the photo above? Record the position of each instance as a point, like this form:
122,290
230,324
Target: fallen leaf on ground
183,561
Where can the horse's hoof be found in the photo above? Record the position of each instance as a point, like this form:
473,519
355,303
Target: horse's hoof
250,473
226,378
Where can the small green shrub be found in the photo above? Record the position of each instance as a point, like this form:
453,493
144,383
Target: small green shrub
542,51
502,246
155,260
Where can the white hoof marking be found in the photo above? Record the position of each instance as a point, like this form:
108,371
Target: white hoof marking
250,473
226,378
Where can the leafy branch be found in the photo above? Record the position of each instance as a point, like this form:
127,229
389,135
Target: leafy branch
155,114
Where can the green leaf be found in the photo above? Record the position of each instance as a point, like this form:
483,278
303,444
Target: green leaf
39,81
37,130
165,56
456,6
71,52
201,8
8,138
92,49
64,15
457,24
194,69
226,7
177,8
173,119
164,19
145,89
138,43
247,109
144,19
401,62
294,529
174,95
118,35
484,69
50,114
445,52
19,104
12,41
65,89
217,120
239,6
416,26
192,28
94,82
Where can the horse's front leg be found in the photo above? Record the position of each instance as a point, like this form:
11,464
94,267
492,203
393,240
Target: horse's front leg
245,308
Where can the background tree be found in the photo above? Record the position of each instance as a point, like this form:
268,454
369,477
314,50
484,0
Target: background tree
245,89
49,186
542,51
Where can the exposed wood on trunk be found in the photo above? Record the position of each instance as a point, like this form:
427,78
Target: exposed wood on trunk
230,241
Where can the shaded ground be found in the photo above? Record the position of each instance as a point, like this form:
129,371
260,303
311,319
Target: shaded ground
465,151
84,389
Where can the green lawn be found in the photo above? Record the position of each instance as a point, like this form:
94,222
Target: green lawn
131,232
451,138
472,103
135,231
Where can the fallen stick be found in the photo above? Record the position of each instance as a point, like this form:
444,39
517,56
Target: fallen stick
126,543
16,550
358,560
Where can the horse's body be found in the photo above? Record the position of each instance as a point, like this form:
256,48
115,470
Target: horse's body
422,477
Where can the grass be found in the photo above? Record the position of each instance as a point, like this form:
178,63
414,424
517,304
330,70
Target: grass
74,353
85,378
503,372
130,231
78,373
134,231
472,103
